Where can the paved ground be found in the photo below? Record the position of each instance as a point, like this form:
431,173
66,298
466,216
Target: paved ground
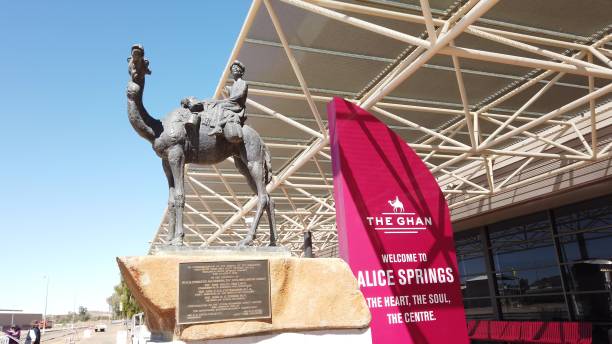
107,337
85,336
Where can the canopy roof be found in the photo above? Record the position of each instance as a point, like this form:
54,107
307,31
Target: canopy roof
495,96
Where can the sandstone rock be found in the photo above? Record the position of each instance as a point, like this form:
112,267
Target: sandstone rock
307,294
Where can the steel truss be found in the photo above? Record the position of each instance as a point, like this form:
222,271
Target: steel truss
480,150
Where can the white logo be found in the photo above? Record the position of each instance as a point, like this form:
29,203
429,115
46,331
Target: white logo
398,207
399,221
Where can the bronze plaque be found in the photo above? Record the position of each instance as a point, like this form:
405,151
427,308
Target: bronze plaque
223,291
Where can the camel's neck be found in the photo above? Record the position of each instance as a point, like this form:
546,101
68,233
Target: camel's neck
145,125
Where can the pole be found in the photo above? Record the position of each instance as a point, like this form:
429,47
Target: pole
46,299
73,307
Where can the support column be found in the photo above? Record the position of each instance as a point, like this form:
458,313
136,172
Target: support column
491,277
558,254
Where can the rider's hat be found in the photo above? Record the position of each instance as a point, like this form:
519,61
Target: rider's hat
239,64
139,47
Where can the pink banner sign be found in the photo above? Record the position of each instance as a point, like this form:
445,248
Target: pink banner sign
394,231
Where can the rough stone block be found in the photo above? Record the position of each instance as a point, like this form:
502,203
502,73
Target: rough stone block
307,294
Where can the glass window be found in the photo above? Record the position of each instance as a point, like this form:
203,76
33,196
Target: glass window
533,281
469,253
531,226
527,271
525,256
478,308
549,307
522,243
589,276
590,285
592,306
570,248
475,286
587,245
468,241
592,214
470,266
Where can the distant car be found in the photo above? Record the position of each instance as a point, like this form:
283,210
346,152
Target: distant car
100,328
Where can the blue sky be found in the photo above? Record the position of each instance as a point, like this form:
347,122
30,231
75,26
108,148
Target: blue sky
78,186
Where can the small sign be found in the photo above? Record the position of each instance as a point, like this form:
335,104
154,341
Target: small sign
223,291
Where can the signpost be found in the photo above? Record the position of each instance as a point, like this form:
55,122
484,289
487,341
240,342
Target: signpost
223,291
394,231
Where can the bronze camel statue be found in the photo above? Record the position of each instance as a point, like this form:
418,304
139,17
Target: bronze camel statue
177,145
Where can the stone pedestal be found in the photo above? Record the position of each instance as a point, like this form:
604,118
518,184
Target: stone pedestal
306,295
235,252
350,336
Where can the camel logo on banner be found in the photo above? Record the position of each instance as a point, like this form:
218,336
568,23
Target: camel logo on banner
394,231
398,221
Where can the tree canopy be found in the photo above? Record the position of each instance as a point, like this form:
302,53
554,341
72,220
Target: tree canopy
122,302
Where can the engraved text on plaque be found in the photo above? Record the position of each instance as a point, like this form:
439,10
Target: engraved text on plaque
222,291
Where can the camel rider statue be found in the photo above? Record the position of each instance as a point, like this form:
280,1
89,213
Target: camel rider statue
219,113
138,66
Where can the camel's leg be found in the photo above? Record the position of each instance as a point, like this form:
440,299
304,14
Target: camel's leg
171,207
270,208
254,173
244,170
176,160
271,221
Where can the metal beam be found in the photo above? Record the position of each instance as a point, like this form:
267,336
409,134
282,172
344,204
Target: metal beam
478,10
568,107
295,66
248,22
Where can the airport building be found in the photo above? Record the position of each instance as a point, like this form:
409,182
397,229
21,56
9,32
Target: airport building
507,102
9,317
